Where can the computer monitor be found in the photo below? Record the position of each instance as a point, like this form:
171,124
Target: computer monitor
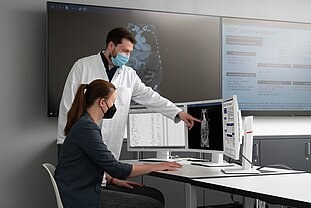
232,127
267,65
207,136
151,131
233,133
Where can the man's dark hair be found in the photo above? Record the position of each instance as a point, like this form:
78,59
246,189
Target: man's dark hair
117,34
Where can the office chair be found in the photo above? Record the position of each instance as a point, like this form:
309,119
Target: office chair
51,169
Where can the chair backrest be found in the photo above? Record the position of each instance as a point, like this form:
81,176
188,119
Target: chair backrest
51,169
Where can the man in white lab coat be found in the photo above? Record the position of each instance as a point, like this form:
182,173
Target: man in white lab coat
110,65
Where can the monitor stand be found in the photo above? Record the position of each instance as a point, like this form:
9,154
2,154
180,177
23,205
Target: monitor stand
217,161
162,156
247,152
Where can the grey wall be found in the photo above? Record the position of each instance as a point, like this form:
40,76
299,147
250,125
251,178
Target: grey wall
27,136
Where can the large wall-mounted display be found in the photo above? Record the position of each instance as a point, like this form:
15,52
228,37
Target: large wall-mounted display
268,65
187,57
176,54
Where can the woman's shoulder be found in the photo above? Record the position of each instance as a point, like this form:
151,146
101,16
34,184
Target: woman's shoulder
84,125
86,122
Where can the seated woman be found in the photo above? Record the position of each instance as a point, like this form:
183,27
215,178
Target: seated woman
85,158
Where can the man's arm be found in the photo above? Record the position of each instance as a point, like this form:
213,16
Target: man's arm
148,97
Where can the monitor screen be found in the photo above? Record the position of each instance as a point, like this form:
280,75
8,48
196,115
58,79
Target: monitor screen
172,48
151,131
206,136
232,127
267,65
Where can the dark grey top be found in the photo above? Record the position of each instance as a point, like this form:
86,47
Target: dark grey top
83,160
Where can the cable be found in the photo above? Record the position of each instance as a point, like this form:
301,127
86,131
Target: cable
233,200
247,160
239,162
169,155
281,166
174,156
165,153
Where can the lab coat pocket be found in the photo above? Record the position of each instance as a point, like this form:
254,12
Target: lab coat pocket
124,95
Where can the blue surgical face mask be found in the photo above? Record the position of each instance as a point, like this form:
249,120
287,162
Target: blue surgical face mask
120,60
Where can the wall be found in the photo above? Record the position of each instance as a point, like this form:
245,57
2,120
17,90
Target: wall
27,136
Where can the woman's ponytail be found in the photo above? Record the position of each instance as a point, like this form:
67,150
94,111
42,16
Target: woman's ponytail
77,108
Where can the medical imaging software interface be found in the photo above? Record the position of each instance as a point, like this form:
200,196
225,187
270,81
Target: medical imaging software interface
152,130
232,129
207,135
267,64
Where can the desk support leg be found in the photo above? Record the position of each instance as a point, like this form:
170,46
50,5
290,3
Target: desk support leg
191,196
256,203
260,204
249,202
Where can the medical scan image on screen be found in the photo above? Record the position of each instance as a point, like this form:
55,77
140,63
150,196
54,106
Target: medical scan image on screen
207,134
267,64
204,128
145,57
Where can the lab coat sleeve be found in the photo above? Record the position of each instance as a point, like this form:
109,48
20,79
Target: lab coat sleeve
69,92
148,97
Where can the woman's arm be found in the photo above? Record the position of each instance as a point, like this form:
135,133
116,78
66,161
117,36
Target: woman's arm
121,183
138,170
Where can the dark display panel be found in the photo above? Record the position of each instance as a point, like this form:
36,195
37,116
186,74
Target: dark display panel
207,134
176,54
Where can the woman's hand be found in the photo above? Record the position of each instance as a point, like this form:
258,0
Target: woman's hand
143,169
126,184
167,166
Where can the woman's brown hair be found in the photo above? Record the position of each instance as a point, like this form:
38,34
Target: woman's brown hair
86,95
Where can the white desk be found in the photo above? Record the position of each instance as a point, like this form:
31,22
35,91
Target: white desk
194,178
291,189
188,172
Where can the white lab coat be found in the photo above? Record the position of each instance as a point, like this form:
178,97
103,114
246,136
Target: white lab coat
128,85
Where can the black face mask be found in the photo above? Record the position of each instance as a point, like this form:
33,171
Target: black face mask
110,112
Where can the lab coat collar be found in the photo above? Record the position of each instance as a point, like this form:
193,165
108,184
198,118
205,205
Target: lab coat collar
104,59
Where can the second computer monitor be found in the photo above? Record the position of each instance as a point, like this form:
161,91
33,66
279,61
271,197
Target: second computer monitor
151,131
232,120
206,136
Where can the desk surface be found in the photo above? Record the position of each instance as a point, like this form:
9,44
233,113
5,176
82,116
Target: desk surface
188,172
290,189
